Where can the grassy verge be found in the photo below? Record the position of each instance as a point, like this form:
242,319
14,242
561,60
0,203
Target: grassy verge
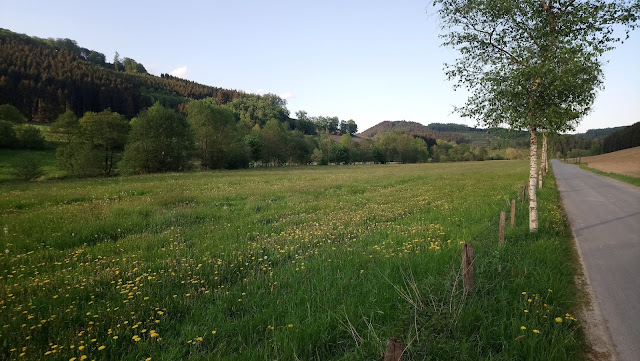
313,263
621,177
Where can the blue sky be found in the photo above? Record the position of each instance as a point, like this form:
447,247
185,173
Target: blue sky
363,60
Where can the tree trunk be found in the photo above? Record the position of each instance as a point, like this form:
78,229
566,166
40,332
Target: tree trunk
533,173
545,160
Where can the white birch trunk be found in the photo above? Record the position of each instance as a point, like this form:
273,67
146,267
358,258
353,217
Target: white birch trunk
533,177
545,160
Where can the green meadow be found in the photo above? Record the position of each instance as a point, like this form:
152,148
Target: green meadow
308,263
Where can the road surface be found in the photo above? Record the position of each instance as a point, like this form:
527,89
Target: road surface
605,217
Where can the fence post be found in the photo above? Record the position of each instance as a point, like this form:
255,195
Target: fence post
467,266
513,213
503,216
394,350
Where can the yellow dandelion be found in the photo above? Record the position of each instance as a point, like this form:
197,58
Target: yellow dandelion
102,348
559,319
83,357
523,328
524,293
213,332
115,337
536,331
290,325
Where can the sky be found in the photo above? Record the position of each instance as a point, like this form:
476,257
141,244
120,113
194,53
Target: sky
366,60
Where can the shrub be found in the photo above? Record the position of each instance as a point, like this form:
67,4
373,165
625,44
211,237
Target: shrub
27,167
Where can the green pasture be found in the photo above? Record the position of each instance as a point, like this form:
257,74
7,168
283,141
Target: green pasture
308,263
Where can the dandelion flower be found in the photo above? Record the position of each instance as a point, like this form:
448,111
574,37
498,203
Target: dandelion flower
536,331
101,348
559,319
524,293
523,328
213,332
290,325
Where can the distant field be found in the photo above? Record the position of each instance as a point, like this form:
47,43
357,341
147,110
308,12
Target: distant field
626,161
311,263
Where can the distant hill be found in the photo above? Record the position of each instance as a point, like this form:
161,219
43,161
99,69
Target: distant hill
413,128
600,133
45,77
451,132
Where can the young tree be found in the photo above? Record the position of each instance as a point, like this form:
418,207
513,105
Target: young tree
106,133
160,140
215,133
531,65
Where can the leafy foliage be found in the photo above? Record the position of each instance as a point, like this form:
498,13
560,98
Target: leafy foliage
531,65
160,140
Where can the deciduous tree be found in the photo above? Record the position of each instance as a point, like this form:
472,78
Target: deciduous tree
532,65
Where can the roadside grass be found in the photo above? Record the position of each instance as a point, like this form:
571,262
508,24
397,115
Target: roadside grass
621,177
310,263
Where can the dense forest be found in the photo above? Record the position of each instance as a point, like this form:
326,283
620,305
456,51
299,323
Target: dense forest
626,137
43,78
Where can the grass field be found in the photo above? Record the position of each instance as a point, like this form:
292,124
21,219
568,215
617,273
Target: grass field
312,263
10,158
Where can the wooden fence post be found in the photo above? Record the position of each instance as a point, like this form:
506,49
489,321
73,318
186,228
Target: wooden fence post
467,266
513,213
395,348
503,216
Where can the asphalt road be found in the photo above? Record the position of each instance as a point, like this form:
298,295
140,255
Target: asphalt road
605,217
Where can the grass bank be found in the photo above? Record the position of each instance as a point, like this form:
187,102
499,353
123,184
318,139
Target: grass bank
621,177
312,263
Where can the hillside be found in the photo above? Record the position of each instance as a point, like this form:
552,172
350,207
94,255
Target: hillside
413,128
458,133
45,77
625,162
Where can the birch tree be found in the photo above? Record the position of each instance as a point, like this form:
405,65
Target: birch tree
531,65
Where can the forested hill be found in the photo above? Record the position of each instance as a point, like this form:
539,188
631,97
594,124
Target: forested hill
458,133
413,128
45,77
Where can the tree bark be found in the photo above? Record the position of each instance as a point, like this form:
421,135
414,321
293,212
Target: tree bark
545,160
533,177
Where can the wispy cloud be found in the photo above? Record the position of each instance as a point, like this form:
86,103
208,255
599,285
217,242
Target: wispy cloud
286,95
180,72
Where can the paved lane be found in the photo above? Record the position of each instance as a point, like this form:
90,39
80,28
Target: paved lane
605,218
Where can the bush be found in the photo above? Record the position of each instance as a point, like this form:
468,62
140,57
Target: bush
7,135
27,167
29,137
11,114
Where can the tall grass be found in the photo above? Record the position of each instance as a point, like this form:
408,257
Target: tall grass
314,263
